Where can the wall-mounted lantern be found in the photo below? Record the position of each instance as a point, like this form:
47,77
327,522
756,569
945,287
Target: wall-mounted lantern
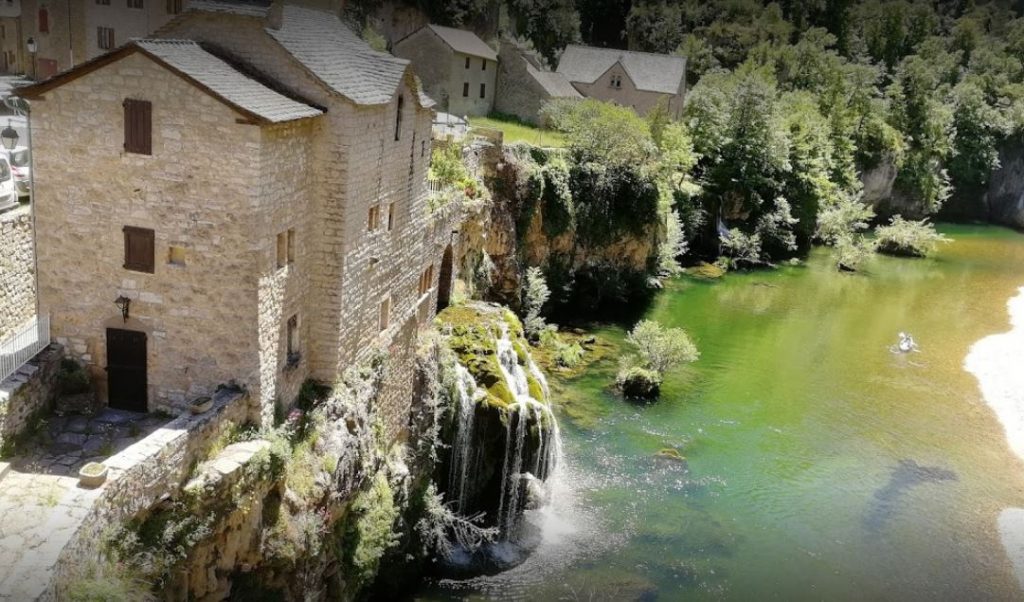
9,136
123,303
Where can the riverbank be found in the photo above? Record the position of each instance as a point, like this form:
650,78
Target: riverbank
995,362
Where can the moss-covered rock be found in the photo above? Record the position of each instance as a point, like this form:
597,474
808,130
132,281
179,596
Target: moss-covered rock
639,383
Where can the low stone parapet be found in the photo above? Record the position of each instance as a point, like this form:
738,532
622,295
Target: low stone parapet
28,393
144,474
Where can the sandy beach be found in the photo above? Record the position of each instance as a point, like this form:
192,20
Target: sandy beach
997,362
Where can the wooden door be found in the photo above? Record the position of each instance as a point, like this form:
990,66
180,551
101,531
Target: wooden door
126,370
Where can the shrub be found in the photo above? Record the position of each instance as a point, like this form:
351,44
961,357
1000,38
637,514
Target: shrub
908,238
638,383
72,378
535,295
370,532
850,250
659,348
446,165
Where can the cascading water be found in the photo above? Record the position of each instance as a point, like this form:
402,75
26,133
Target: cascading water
530,446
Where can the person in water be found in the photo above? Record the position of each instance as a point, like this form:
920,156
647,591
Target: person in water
906,344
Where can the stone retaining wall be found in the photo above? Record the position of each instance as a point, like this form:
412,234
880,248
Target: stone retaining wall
28,393
17,271
143,474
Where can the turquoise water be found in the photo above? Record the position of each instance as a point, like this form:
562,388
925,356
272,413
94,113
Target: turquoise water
818,464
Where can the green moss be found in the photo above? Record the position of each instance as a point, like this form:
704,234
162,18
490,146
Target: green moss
474,333
369,531
521,355
670,453
708,271
536,390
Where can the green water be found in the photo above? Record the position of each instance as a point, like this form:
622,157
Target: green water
819,464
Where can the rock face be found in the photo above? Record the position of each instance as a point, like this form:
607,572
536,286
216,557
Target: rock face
1003,202
501,239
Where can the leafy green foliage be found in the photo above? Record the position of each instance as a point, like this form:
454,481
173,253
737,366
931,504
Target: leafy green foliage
535,294
369,532
550,25
910,238
638,383
660,349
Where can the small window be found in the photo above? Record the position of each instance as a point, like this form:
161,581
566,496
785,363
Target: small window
138,249
138,126
391,216
483,64
103,2
173,7
398,118
105,38
292,341
135,4
176,256
467,62
44,20
282,250
291,245
423,149
465,90
385,313
483,90
373,220
426,281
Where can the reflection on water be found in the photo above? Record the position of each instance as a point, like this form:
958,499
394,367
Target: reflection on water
818,464
907,474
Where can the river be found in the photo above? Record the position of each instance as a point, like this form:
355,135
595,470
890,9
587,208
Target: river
819,465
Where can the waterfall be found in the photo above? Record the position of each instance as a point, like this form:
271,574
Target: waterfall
460,463
526,411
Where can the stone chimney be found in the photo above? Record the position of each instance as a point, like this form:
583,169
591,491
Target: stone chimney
275,16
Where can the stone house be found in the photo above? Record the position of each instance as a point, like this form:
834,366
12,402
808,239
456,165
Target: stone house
11,42
253,182
110,23
525,84
54,26
640,80
457,68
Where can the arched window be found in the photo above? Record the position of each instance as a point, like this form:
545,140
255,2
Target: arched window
398,118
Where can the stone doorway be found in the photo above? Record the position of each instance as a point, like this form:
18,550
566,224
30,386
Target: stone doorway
126,370
444,285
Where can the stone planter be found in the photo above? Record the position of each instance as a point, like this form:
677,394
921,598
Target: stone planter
92,474
203,404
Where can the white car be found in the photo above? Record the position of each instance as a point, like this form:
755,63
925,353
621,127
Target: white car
21,167
8,193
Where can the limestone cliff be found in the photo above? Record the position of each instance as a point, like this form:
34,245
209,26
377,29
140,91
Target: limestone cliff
535,219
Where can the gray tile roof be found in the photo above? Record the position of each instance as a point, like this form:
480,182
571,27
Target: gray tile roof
651,72
555,84
225,82
255,8
465,42
339,58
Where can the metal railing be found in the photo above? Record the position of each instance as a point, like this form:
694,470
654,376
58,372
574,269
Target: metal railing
23,345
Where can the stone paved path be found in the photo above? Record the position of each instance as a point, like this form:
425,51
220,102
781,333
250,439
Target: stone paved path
41,504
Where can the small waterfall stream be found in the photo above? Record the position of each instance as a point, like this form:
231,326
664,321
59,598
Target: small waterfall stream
532,441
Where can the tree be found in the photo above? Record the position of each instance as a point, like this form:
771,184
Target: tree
550,24
661,349
535,294
976,127
654,26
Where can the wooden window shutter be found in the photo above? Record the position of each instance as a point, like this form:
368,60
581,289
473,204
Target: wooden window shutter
139,249
138,126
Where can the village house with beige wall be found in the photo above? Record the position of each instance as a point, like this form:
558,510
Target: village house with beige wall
639,80
268,225
458,69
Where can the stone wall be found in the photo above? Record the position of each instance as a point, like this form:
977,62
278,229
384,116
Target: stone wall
142,475
28,393
17,271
